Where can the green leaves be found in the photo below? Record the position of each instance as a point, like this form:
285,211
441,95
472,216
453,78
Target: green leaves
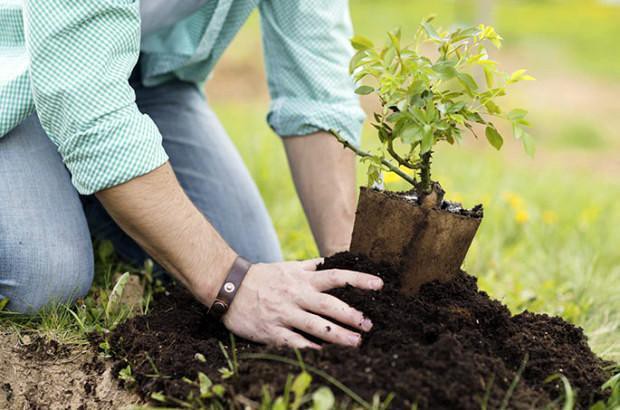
114,300
526,139
411,133
493,136
395,38
299,387
430,30
127,376
435,97
427,139
374,171
207,388
528,143
364,90
468,82
489,33
205,385
361,43
520,75
158,396
446,69
517,114
323,399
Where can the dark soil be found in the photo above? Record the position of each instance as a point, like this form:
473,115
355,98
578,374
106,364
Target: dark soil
448,347
446,205
41,349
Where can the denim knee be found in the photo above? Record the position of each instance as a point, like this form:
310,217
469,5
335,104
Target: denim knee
35,275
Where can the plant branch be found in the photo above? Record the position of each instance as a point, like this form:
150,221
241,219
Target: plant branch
365,154
398,158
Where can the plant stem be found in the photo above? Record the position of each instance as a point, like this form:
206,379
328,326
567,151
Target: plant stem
425,173
364,154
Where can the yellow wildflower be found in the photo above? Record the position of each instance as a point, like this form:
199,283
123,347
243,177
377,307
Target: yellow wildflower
521,216
549,217
515,201
390,178
589,215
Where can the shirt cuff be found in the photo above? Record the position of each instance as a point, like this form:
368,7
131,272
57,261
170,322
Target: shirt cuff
291,117
113,151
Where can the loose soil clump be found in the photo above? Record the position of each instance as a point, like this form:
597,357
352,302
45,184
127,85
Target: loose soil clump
449,347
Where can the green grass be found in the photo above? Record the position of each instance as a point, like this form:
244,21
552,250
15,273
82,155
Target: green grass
549,240
580,135
585,30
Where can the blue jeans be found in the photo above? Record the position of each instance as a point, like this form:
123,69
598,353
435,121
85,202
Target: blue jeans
46,251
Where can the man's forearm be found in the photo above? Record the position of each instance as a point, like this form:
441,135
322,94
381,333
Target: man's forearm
324,175
155,211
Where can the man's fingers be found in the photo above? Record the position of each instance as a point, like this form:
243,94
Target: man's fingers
311,264
332,307
325,330
337,278
289,338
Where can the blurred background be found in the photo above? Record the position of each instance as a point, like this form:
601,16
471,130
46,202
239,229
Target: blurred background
550,240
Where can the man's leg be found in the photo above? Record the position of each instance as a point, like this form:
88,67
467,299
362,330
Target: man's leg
45,247
210,170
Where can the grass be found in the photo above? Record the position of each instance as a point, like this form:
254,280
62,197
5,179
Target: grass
585,30
549,240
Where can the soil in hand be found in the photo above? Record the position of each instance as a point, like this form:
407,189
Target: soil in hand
449,347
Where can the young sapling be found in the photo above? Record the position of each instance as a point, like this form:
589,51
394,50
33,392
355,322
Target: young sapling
431,95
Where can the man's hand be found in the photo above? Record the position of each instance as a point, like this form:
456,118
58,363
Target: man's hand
277,299
324,175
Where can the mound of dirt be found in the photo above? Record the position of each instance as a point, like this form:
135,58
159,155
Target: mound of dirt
449,347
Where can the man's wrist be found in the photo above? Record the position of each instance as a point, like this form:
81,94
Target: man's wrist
334,233
210,278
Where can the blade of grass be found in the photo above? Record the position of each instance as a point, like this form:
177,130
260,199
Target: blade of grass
336,383
514,384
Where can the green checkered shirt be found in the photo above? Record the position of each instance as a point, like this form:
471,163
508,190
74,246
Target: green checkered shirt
70,60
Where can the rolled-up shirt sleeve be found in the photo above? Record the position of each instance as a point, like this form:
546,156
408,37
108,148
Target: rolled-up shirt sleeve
81,56
307,53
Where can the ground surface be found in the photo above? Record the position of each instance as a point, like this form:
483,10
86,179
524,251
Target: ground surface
37,374
549,239
449,347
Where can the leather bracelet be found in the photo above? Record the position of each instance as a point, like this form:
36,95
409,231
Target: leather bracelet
229,289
